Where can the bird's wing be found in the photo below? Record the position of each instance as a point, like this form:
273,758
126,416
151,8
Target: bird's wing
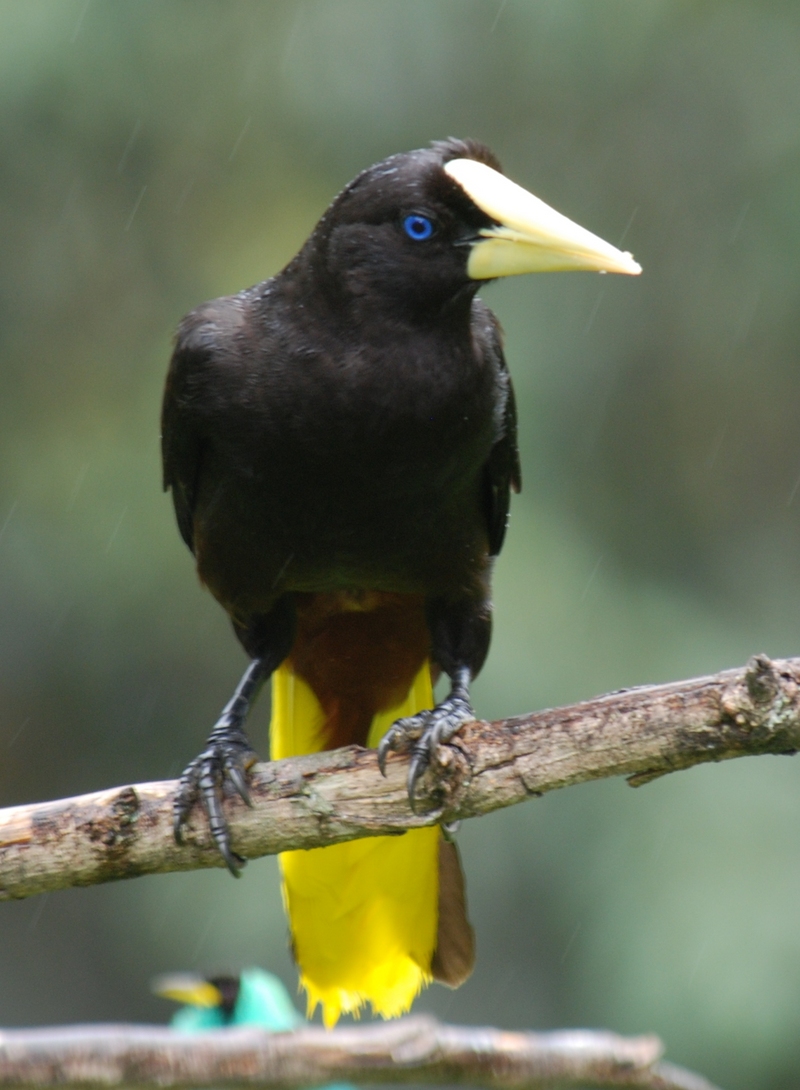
181,442
205,338
502,473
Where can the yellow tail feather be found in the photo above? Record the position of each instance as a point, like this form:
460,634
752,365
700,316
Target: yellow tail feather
364,914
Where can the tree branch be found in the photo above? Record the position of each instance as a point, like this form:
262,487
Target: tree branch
326,798
417,1049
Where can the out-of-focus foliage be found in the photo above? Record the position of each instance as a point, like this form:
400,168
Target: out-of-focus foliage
154,154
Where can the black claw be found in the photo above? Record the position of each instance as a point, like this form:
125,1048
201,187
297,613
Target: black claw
419,762
236,777
227,757
397,737
383,749
423,733
394,739
219,831
233,861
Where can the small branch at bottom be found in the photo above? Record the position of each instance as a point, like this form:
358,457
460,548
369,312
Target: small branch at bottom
417,1049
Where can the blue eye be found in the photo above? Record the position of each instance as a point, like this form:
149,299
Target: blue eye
418,227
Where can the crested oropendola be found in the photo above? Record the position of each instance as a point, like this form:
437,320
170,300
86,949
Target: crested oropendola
340,442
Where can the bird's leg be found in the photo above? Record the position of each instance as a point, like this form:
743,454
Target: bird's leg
460,636
446,719
228,756
422,733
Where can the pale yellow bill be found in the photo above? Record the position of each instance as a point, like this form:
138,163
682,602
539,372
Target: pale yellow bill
531,236
186,988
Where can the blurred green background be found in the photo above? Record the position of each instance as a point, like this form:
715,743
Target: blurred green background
155,154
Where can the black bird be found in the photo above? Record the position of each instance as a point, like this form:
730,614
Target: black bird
340,442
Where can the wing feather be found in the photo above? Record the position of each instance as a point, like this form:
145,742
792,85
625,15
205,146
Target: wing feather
204,342
502,473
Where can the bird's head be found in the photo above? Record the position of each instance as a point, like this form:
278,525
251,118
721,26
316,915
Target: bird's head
423,228
219,992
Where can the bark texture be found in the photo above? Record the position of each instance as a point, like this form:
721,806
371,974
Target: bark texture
417,1049
326,798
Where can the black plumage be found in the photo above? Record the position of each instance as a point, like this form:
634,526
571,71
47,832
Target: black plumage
348,426
341,439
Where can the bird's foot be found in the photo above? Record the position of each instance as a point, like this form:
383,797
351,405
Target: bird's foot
423,733
226,760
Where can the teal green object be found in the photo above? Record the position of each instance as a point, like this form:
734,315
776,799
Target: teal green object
196,1019
262,1001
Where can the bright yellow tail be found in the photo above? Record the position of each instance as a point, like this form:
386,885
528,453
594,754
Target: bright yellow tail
364,914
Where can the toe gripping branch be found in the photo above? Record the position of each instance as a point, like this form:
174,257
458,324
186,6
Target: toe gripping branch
227,758
421,734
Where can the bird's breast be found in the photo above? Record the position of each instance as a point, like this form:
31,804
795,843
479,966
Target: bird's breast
357,470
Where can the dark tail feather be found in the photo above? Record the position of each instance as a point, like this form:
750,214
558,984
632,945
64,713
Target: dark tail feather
454,956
